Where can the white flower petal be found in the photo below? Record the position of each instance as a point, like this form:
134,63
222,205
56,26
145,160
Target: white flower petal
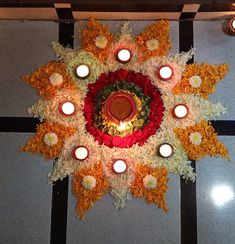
56,79
195,81
88,182
50,139
195,138
152,44
101,41
150,182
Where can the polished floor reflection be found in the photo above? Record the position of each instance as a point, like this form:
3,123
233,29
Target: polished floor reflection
222,195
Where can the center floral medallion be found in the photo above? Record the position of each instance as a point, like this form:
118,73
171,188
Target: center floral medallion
123,108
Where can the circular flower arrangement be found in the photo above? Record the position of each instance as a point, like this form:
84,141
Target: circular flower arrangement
106,126
122,126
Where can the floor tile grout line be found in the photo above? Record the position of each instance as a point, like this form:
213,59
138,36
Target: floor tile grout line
29,124
188,205
59,209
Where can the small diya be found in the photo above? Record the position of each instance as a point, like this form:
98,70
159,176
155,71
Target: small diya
120,107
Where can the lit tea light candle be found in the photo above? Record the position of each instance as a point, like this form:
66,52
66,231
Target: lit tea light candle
124,55
180,111
119,166
165,150
67,108
229,26
165,72
82,71
232,24
80,153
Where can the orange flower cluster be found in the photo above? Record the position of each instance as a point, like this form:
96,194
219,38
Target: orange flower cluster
160,32
156,195
210,145
36,143
86,198
210,75
89,35
40,79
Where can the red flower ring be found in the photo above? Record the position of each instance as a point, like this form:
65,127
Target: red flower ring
139,136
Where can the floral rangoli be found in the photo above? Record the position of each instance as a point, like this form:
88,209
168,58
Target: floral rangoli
120,114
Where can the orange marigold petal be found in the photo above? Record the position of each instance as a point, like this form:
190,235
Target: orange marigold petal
86,198
156,195
210,145
40,79
158,31
89,35
36,144
210,75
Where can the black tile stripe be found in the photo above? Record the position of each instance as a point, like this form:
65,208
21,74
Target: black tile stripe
188,210
186,37
224,127
60,188
29,124
59,211
188,16
18,124
64,13
187,189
